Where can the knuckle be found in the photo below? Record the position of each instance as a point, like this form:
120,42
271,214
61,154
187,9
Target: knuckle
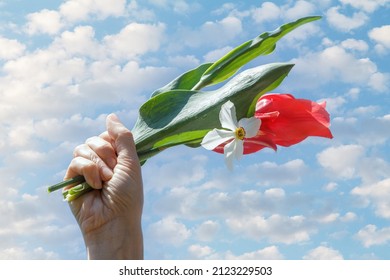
103,150
98,144
90,139
95,159
90,167
78,149
125,134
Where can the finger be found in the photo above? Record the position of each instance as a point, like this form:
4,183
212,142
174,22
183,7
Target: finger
122,138
103,149
86,152
106,137
87,168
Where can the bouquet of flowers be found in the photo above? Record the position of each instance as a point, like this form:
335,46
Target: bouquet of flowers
241,117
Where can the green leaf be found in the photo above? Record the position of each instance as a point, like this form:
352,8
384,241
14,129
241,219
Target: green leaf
184,116
185,81
264,44
191,139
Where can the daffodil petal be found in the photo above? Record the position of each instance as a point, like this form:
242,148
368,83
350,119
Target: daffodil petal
216,137
227,116
233,150
229,154
251,126
239,149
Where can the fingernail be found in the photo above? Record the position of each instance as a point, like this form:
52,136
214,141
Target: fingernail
114,117
107,173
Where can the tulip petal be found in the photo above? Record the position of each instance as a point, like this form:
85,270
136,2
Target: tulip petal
250,125
297,119
227,116
216,137
257,143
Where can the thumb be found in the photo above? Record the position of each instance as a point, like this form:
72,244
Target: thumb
122,138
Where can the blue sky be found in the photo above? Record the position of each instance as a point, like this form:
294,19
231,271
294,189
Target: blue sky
65,65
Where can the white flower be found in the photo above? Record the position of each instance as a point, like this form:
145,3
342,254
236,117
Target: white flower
233,133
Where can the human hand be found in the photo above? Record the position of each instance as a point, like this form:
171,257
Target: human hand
110,215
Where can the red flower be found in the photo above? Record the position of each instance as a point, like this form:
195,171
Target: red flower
286,121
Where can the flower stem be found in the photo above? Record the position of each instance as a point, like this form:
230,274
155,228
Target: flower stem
73,181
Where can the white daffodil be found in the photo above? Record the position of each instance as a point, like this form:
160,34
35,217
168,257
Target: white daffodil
233,133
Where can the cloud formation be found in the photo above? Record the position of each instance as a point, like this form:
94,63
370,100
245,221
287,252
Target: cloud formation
63,69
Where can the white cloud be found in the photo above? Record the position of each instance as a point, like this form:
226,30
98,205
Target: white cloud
65,86
216,54
344,23
223,198
222,30
323,253
275,193
33,217
169,230
299,10
135,39
80,10
140,13
174,173
334,217
381,36
74,11
331,186
344,65
20,253
378,194
70,12
348,217
268,253
329,218
267,12
60,79
288,173
353,44
10,48
45,67
197,251
341,161
79,42
211,33
186,61
39,84
298,38
370,235
349,129
55,130
353,93
276,228
45,21
207,230
365,110
335,63
334,105
368,6
379,81
178,6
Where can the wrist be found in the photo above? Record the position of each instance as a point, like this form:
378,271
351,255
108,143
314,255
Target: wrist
115,240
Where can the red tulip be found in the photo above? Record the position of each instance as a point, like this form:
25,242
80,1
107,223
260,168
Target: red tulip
286,121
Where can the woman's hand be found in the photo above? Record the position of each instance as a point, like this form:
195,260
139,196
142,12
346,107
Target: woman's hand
109,216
